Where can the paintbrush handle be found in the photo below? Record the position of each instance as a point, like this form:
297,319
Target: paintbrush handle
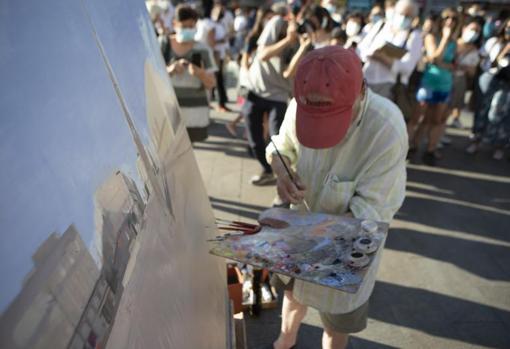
289,173
283,162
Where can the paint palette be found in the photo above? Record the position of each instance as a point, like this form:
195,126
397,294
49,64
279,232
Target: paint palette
328,250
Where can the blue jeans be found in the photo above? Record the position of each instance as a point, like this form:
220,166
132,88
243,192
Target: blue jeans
492,117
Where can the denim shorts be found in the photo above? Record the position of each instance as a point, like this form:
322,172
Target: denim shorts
430,96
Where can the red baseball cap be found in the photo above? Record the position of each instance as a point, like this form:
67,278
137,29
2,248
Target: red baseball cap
327,83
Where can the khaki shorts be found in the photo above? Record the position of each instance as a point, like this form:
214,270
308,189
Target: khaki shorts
355,321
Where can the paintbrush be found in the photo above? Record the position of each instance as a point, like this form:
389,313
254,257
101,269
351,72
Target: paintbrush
289,173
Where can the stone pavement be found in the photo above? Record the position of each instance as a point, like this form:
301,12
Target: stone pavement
444,281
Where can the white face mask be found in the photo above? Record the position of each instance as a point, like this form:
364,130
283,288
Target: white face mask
389,14
185,34
470,36
331,8
401,22
352,28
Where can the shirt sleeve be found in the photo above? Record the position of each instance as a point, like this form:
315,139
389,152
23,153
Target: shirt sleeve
365,46
380,191
407,63
286,140
271,32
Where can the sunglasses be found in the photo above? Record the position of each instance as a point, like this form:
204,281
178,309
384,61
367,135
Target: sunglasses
453,18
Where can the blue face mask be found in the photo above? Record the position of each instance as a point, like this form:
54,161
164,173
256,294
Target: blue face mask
376,18
185,34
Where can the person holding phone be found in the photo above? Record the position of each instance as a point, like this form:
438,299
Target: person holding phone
191,67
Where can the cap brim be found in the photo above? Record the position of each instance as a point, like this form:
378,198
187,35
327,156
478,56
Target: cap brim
324,130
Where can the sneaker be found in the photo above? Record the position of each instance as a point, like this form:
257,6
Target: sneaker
498,155
231,129
278,202
264,178
446,140
429,158
456,124
472,148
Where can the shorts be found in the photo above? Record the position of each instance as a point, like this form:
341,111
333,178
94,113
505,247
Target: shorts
429,96
355,321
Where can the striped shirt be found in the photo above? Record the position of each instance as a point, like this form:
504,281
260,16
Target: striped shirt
190,92
365,174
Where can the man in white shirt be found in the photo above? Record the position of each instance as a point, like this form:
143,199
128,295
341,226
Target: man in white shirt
348,147
380,70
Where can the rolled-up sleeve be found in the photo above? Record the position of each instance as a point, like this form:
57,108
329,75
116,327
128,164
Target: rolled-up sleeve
407,63
286,140
380,191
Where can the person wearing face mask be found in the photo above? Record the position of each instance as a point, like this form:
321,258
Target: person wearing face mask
376,15
353,27
389,9
382,71
492,114
467,62
330,6
191,68
347,148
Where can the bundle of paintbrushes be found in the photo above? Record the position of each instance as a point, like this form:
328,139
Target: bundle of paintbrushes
245,228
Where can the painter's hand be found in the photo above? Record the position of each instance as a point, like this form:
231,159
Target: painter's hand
288,190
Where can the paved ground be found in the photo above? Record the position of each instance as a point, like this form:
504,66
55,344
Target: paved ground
445,277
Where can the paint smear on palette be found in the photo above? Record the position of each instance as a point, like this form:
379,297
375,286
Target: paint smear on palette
314,247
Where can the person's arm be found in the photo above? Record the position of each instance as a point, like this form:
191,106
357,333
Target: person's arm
177,67
269,50
472,63
305,43
505,51
207,69
435,52
211,38
381,189
206,77
407,63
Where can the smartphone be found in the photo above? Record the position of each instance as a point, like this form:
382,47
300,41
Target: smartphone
196,59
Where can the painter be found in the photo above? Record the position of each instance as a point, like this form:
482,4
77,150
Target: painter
345,147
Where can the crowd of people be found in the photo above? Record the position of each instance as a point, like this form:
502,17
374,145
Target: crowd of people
432,67
333,103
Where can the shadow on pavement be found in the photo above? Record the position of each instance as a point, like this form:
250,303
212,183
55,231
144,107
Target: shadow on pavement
486,260
241,209
440,315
